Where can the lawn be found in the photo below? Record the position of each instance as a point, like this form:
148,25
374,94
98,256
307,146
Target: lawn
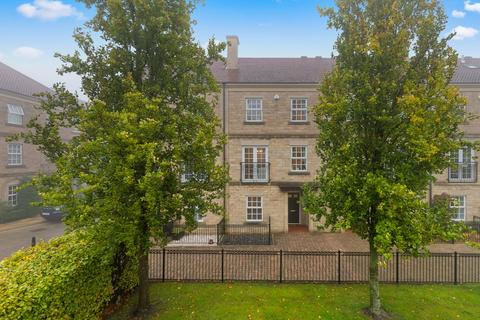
305,301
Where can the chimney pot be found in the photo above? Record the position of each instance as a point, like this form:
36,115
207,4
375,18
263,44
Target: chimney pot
232,52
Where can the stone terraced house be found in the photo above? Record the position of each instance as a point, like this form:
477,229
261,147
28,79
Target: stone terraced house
19,161
265,108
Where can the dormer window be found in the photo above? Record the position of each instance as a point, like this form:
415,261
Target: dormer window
15,115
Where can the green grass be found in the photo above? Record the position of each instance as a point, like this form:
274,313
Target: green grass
232,301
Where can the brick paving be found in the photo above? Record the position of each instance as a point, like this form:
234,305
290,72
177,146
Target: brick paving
328,241
311,257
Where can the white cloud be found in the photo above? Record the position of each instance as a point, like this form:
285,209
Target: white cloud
2,56
458,14
464,32
475,6
48,10
28,52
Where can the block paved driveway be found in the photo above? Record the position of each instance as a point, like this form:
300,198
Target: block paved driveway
262,263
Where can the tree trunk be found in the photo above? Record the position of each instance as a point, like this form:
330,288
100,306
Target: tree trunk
375,307
143,285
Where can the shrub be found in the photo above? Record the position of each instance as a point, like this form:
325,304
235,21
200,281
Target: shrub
69,277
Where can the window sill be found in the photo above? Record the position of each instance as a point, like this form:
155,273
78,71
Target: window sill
254,222
13,166
253,122
14,125
299,123
299,173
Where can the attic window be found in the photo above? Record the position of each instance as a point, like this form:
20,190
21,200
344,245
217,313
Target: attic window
15,115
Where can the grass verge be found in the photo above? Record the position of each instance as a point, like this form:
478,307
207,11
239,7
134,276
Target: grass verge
304,301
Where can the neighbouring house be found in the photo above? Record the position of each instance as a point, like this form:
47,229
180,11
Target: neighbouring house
265,109
19,161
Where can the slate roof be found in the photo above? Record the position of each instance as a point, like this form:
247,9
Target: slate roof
14,81
311,70
468,71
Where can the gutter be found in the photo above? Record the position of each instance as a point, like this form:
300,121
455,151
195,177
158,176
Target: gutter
225,145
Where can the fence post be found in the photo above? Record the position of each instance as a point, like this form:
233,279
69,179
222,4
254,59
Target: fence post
163,264
34,241
281,266
455,268
339,270
223,253
397,267
269,231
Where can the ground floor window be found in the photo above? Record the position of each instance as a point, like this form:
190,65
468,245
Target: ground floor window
12,197
254,208
458,204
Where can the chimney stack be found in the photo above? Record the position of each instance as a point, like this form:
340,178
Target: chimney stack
232,52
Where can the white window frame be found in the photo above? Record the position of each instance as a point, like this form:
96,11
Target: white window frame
462,161
292,157
198,215
254,208
249,111
257,169
456,206
297,109
15,115
14,155
12,195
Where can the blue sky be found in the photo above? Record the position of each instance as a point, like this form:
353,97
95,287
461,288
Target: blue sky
33,30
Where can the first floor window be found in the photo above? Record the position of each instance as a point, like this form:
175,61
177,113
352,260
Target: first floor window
254,208
12,198
299,158
298,109
15,115
14,154
458,204
254,110
198,215
464,170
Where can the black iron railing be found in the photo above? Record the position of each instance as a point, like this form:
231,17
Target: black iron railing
463,173
255,172
222,234
297,266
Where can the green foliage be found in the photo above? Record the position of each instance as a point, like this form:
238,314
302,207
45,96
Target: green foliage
150,119
69,277
388,120
25,208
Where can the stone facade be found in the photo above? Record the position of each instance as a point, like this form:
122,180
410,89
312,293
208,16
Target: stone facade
32,160
469,189
275,134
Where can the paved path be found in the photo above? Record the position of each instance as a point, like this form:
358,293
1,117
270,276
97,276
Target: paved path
327,241
18,234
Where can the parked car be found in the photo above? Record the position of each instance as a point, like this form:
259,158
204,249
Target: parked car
52,213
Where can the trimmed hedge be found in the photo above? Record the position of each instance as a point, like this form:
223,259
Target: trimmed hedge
69,277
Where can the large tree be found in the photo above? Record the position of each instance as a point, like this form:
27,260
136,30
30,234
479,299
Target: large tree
388,120
150,118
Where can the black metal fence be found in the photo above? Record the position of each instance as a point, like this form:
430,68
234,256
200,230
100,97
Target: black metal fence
296,266
223,234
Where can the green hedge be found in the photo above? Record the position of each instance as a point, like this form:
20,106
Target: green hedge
69,277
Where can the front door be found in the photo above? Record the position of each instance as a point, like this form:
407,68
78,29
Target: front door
293,208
